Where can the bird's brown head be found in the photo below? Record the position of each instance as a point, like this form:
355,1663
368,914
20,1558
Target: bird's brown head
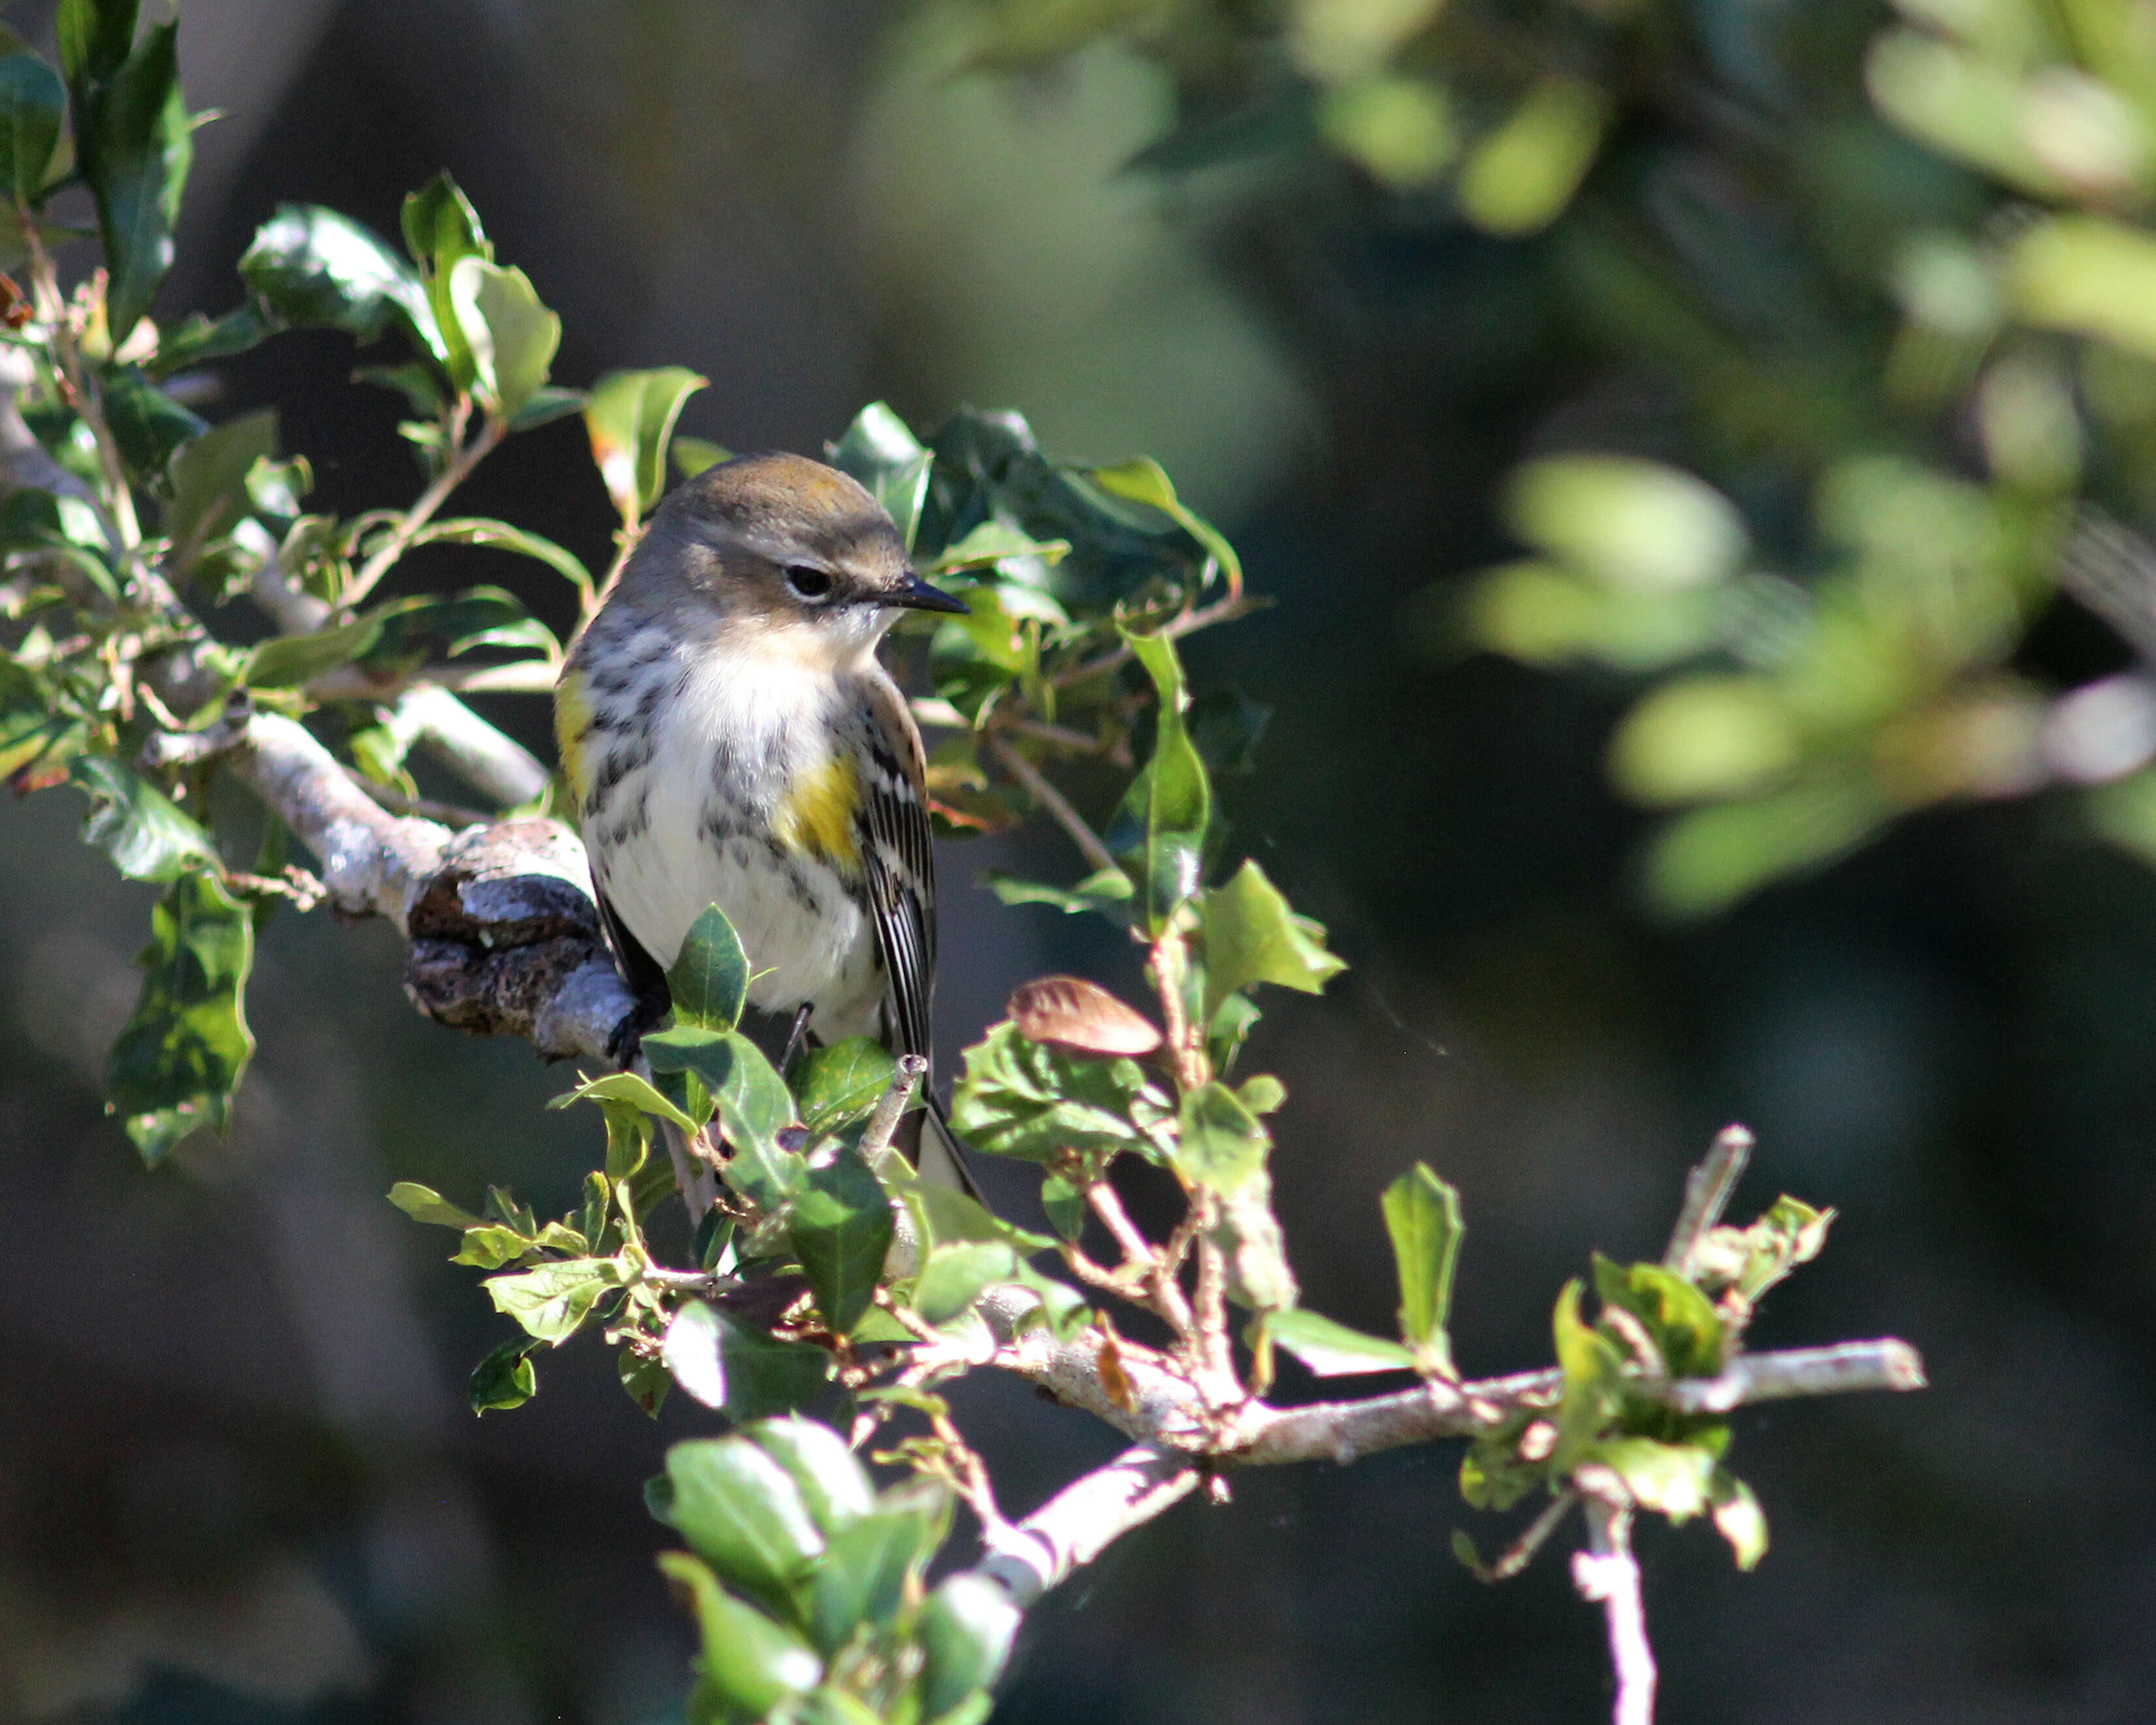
785,546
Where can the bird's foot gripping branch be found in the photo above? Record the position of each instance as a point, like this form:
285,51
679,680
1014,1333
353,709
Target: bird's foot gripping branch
828,1300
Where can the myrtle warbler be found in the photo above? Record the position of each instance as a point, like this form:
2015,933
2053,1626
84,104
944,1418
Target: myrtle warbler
732,740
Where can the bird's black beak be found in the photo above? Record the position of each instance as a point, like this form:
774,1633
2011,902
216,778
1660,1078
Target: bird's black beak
915,594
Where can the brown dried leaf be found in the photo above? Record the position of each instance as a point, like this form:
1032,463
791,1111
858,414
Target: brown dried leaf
1114,1379
1069,1012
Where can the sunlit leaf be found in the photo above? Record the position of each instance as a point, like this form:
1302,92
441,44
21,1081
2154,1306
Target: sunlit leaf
1422,1215
511,335
966,1630
750,1665
840,1229
1251,935
1332,1350
710,975
181,1053
630,417
839,1084
552,1301
132,822
1161,828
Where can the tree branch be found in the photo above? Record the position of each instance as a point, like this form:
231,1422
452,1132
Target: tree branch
1084,1519
1608,1574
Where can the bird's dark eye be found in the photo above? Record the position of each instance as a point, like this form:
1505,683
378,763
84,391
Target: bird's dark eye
809,584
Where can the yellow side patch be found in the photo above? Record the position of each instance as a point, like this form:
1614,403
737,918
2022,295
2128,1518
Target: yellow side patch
572,723
818,814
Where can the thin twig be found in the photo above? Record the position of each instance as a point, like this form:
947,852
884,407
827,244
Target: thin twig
1606,1573
1054,801
1707,1190
450,814
891,1106
1075,1526
1166,1292
1522,1552
459,468
1221,610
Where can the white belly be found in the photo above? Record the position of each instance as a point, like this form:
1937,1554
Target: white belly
668,843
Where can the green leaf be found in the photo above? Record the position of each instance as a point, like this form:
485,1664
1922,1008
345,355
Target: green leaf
878,450
317,270
750,1665
753,1105
1422,1215
136,150
836,1085
209,476
505,1378
94,36
1332,1350
1064,1205
1221,1144
710,975
946,1216
993,542
1142,482
1105,892
953,1277
646,1380
1669,1478
1251,936
500,535
741,1512
1683,1321
423,1204
552,1301
629,1089
966,1630
546,406
1738,1517
840,1229
1593,1371
293,661
1024,1099
441,228
692,455
33,101
180,1055
512,336
1492,1475
197,339
863,1574
134,824
630,417
148,424
489,1247
724,1364
1160,831
834,1484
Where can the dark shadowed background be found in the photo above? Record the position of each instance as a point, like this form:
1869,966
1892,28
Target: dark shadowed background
238,1479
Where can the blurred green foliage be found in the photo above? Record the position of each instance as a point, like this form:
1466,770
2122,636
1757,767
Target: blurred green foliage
1873,297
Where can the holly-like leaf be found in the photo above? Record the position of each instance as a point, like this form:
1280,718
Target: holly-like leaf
629,1089
878,450
500,535
724,1364
209,478
753,1105
1682,1320
1159,833
1107,892
148,425
551,1301
315,269
1220,1143
132,822
710,975
180,1055
1332,1350
512,336
423,1204
750,1666
441,228
953,1276
1251,935
136,144
1143,481
741,1512
630,417
505,1378
1593,1371
1671,1479
834,1484
33,101
1422,1215
840,1229
1018,1098
836,1085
